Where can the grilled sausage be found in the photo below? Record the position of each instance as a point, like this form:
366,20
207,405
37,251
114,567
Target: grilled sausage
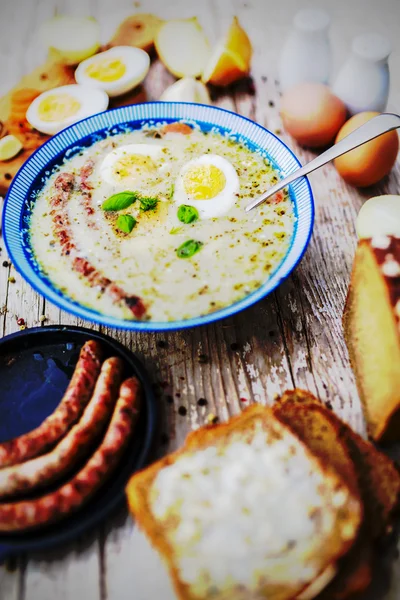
41,471
86,196
28,514
64,188
67,413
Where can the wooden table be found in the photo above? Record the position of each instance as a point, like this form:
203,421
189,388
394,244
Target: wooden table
292,338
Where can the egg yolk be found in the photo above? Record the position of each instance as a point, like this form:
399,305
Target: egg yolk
204,182
58,107
108,69
133,166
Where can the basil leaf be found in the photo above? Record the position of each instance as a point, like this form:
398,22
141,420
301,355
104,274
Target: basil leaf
175,230
187,213
188,248
119,201
147,203
126,223
171,191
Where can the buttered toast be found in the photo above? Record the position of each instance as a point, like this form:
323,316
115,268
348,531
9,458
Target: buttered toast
246,511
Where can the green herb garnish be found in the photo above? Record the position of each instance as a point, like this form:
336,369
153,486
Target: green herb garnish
120,201
126,223
147,203
187,213
188,248
171,191
175,230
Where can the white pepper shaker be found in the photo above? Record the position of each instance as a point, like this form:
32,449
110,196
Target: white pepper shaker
363,82
306,54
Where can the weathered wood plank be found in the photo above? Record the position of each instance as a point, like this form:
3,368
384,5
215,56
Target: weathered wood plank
67,573
11,579
293,337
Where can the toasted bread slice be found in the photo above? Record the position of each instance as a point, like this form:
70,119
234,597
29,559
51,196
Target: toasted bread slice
320,430
371,324
245,511
376,475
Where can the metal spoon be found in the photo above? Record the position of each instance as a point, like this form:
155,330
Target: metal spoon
370,130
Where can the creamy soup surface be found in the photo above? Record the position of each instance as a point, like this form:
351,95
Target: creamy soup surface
153,259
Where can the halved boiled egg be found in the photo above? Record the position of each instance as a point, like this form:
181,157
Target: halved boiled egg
55,109
131,164
209,183
116,71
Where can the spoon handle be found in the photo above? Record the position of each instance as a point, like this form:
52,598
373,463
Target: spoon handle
370,130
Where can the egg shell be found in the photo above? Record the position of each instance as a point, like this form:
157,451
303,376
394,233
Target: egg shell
379,216
312,114
368,163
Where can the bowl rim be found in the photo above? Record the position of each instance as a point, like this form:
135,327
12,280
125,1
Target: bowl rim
78,310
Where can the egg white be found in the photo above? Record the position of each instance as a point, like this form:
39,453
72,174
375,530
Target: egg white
136,61
223,201
91,101
106,169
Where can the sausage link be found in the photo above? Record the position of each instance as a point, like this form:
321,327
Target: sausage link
28,514
67,413
64,188
41,471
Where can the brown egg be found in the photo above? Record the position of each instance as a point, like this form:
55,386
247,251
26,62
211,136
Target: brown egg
312,114
370,162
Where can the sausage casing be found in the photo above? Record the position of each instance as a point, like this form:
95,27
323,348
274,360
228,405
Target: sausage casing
39,472
67,413
28,514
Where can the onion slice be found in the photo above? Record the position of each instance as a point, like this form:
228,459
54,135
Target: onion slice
186,90
183,47
71,39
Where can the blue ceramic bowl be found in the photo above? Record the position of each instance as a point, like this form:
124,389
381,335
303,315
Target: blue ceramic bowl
33,174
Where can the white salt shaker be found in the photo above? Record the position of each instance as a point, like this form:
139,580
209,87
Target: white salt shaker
306,54
363,82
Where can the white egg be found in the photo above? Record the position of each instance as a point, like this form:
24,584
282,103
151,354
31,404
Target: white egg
131,164
116,71
56,109
209,183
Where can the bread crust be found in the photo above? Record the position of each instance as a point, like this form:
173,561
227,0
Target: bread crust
383,420
377,478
